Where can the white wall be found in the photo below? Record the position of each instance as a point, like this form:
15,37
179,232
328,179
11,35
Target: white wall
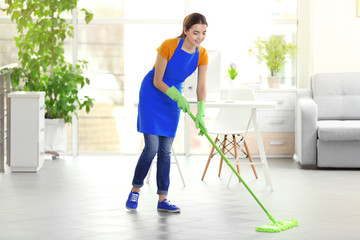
329,37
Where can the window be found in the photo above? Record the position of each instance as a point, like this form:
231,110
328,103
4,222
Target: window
120,46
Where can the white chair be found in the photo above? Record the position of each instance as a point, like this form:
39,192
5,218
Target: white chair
234,123
176,162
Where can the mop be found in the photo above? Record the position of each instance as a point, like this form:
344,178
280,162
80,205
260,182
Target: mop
274,226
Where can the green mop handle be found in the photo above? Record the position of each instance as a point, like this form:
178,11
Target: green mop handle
233,169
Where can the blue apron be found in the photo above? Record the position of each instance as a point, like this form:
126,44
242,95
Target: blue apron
157,113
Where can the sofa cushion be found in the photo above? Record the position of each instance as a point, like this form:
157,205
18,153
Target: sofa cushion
337,95
332,130
343,154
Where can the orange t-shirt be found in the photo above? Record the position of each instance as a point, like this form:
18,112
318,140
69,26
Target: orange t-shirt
168,47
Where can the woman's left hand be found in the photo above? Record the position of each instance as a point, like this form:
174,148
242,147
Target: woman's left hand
199,120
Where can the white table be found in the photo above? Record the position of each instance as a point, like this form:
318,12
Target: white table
254,106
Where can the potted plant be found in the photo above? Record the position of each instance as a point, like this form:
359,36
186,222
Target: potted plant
274,52
232,71
42,31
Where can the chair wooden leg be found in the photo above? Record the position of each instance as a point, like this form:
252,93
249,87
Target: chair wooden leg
236,154
209,159
223,150
250,158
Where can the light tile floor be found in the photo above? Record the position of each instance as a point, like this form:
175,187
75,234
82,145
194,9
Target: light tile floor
84,199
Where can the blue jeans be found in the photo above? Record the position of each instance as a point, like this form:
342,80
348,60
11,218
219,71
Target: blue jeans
162,147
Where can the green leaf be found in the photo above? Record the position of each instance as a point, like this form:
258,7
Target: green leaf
15,15
88,16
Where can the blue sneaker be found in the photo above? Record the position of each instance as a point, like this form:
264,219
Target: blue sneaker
167,206
132,201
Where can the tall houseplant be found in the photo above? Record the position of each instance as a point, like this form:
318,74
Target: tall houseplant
42,30
274,51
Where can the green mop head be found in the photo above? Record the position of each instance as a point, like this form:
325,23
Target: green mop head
277,226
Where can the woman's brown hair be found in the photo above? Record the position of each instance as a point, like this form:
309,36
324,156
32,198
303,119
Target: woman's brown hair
192,19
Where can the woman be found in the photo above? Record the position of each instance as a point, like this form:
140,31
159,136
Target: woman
160,101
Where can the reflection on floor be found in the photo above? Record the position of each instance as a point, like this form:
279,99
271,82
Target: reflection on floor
84,199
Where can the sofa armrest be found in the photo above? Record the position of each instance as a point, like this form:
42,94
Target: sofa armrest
306,129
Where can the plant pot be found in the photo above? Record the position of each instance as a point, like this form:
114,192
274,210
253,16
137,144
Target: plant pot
233,83
274,82
55,136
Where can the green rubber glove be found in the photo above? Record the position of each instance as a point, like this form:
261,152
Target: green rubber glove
175,95
199,120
